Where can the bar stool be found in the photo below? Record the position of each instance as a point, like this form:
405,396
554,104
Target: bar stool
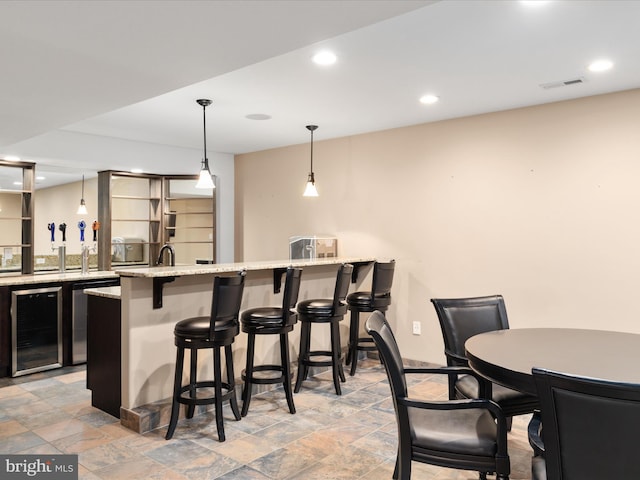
215,332
379,298
324,310
271,321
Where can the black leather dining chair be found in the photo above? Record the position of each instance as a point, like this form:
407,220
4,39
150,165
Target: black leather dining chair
462,318
590,428
464,434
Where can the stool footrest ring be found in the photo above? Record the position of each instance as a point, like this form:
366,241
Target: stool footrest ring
318,363
226,394
265,380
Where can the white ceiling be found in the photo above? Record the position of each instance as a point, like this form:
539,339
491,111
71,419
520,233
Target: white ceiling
134,69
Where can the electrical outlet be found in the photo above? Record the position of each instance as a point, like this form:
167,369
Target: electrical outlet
416,328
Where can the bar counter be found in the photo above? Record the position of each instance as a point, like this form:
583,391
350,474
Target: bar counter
55,277
153,300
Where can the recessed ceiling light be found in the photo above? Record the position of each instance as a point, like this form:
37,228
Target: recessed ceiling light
429,99
136,170
258,116
40,178
325,58
12,158
534,3
600,65
17,183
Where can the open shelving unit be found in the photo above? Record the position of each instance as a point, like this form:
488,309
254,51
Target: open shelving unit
189,219
138,213
16,215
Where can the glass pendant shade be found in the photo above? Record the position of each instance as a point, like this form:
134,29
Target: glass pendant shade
82,209
205,180
311,190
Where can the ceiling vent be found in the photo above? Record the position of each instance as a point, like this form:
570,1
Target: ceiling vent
563,83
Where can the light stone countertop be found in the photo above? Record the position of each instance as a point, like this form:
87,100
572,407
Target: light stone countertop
106,292
56,277
180,270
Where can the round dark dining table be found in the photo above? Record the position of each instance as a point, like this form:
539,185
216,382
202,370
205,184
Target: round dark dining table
506,357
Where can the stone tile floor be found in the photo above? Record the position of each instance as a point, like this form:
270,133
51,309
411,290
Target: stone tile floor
330,437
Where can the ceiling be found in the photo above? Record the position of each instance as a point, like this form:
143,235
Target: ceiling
133,70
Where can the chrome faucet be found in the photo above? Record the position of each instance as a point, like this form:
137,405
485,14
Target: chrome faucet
172,254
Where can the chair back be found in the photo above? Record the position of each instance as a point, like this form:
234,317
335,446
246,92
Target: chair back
290,295
382,282
226,301
342,289
377,326
590,426
462,318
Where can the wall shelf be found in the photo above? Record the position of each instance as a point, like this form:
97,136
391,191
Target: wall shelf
17,225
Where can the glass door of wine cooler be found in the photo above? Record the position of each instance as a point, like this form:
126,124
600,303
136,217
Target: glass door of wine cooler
36,330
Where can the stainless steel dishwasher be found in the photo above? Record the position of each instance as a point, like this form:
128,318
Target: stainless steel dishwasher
79,316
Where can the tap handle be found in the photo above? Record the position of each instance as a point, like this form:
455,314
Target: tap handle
52,228
95,226
63,229
82,225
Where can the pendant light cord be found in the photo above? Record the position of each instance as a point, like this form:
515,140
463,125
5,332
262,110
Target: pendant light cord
311,151
311,128
204,123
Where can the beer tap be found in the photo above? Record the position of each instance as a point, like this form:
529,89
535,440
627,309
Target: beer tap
63,228
62,249
95,227
52,228
82,225
86,249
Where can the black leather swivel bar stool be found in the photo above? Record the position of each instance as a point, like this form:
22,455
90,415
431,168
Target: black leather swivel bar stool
324,310
271,321
379,298
216,331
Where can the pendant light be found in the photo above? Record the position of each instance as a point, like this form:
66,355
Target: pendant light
311,190
82,209
205,180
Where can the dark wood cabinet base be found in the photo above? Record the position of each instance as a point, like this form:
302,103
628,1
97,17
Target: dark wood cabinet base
103,353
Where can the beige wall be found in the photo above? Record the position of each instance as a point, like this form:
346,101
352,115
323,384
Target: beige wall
59,205
540,204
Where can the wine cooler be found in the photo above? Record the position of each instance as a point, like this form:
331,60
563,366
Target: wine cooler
36,330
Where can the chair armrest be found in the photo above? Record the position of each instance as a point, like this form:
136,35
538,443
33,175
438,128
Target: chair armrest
461,359
478,403
451,372
534,431
453,404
